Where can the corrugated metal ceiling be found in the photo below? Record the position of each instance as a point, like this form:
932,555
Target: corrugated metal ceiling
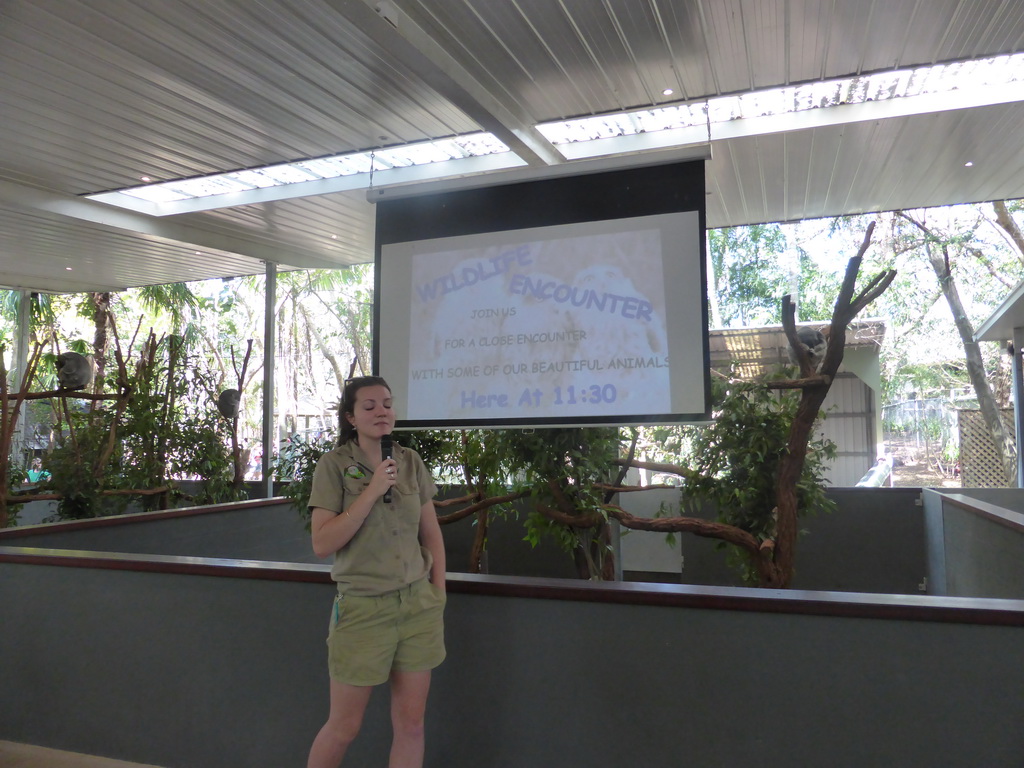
95,94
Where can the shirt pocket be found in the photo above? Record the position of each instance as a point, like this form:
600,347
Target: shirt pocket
408,487
352,487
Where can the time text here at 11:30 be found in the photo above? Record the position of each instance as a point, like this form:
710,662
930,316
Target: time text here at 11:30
534,397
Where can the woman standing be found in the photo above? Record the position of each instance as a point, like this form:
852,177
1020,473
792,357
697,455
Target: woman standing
389,564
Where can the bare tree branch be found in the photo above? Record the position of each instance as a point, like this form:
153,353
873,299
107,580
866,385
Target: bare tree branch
937,252
1006,221
694,525
483,504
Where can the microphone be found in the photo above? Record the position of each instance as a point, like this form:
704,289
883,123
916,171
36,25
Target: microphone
385,454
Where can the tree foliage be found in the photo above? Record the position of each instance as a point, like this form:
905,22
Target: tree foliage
748,274
559,472
733,463
942,249
162,428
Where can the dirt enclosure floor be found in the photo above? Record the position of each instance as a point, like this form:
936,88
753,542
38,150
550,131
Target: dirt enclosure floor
913,468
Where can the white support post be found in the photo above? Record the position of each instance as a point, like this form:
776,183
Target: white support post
1018,393
20,366
269,344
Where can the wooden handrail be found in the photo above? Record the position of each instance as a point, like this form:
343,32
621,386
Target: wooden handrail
795,602
8,534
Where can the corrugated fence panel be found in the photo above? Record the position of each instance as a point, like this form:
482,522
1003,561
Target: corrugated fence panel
849,423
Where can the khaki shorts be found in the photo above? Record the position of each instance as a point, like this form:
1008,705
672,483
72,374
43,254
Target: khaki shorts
371,636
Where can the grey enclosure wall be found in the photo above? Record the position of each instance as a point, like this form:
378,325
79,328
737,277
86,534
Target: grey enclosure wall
976,544
261,530
203,671
873,542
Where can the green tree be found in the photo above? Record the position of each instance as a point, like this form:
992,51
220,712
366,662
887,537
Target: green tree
323,337
747,275
730,467
42,315
955,247
159,429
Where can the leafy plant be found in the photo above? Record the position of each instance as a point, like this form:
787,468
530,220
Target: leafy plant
295,463
734,463
163,428
561,470
728,469
735,459
81,442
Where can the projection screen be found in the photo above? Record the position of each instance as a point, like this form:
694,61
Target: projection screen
571,301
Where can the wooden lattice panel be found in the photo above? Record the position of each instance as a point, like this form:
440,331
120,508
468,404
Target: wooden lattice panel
980,465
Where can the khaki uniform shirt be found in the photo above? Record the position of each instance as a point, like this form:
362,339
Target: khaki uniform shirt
385,554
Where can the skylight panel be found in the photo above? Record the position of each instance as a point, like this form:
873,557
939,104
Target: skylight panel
399,157
209,185
480,144
156,193
257,179
316,169
451,148
289,174
431,153
970,83
327,167
941,78
359,162
672,117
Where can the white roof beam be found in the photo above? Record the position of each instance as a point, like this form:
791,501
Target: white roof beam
390,27
53,204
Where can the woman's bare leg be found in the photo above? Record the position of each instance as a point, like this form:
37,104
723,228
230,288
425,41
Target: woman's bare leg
348,703
408,706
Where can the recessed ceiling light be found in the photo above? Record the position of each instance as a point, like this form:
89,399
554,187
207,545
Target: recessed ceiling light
68,268
968,164
145,178
334,237
667,92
